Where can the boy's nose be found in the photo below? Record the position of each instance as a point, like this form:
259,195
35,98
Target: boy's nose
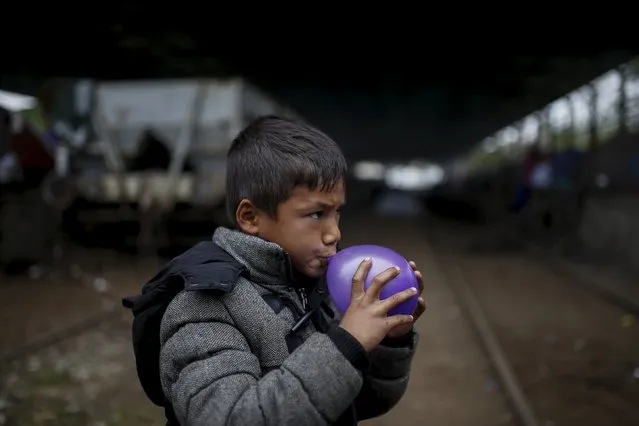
332,235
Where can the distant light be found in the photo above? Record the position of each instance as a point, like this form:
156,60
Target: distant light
369,170
414,178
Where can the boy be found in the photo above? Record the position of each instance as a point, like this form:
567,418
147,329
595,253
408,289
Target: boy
234,356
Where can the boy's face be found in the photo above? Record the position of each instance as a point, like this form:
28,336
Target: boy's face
306,226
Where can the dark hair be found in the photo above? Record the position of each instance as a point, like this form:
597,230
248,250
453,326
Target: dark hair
274,155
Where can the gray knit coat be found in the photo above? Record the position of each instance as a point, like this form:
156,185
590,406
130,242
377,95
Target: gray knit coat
224,359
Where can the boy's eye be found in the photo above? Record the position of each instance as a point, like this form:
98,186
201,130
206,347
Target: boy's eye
316,215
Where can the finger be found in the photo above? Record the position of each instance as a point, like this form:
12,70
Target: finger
412,264
420,309
420,281
397,299
398,320
423,302
357,285
379,282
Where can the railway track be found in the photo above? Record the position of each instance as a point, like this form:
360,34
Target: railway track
564,355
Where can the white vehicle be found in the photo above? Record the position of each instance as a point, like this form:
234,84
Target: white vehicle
195,119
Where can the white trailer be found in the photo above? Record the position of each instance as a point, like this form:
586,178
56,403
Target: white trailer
196,120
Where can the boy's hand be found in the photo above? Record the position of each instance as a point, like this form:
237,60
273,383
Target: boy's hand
366,319
401,330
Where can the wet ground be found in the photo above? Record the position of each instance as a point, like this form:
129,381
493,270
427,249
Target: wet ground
575,354
84,378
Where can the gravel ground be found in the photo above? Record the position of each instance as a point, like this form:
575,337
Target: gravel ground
576,355
86,380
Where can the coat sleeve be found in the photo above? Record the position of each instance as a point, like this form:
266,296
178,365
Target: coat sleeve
211,376
387,378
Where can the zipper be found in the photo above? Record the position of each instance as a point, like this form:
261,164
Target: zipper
301,292
303,297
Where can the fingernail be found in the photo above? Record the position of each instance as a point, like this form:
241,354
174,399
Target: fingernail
397,268
414,290
412,318
367,259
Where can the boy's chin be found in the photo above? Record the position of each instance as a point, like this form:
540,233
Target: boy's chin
314,272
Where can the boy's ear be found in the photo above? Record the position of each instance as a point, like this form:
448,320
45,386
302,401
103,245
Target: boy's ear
247,217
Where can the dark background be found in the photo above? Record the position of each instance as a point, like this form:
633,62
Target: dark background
423,86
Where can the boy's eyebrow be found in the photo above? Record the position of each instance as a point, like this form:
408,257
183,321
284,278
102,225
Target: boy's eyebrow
326,205
322,205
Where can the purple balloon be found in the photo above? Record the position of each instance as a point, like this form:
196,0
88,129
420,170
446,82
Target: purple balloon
342,267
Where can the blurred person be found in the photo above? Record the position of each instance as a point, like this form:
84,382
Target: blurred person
248,335
27,222
10,170
534,170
